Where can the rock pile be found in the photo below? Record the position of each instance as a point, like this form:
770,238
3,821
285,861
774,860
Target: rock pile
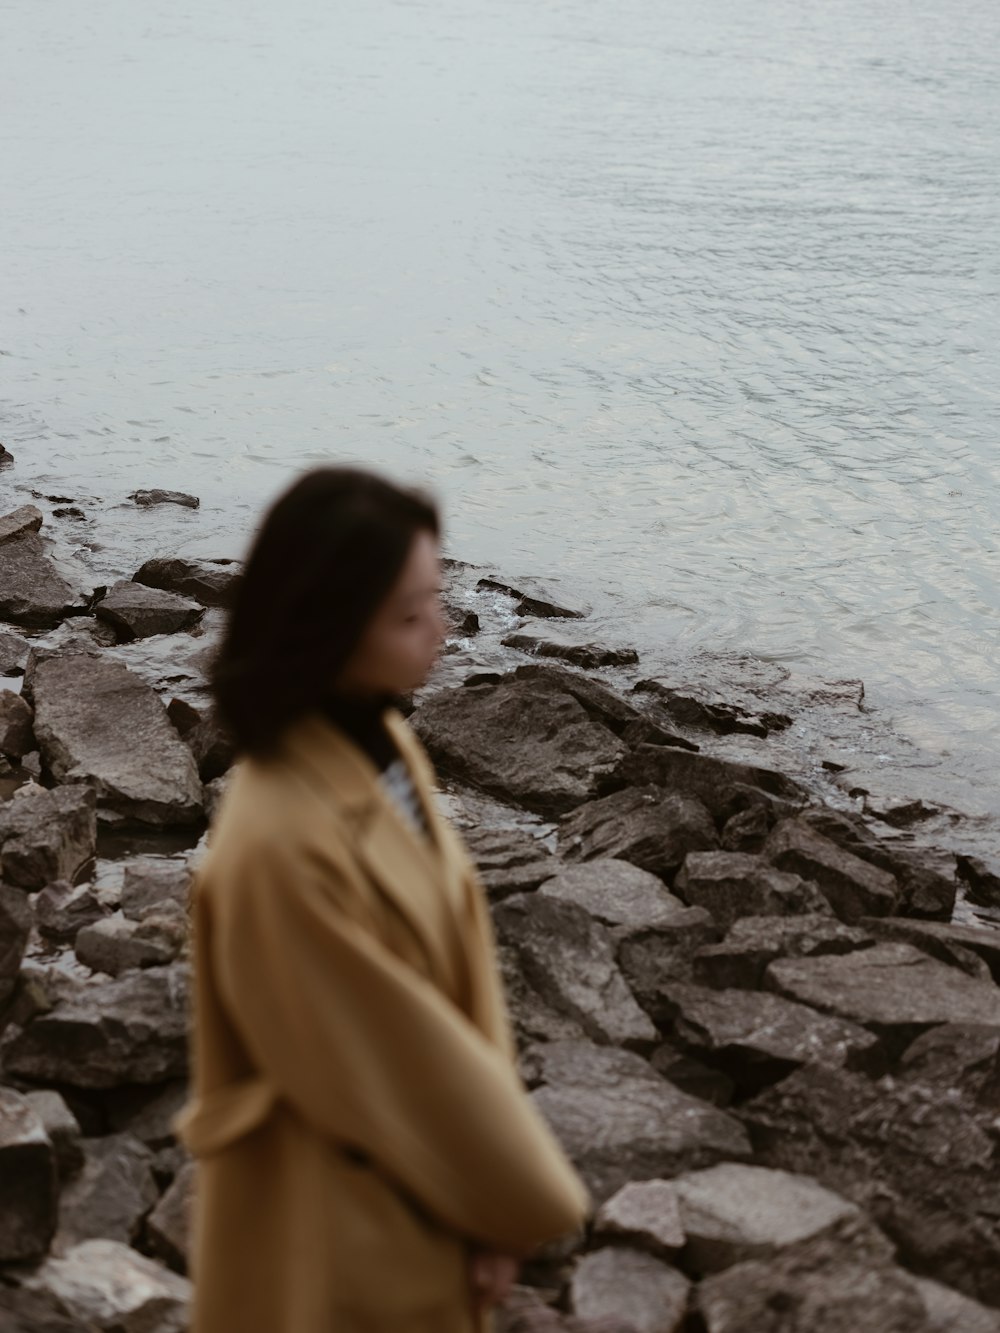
747,1016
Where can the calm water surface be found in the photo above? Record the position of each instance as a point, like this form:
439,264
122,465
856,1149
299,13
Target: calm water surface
693,305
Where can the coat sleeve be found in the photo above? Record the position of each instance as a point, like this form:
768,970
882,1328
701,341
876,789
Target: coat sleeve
373,1054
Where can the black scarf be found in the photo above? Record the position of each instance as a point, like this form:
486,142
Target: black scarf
362,718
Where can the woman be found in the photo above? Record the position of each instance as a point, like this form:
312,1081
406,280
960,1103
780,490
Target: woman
369,1160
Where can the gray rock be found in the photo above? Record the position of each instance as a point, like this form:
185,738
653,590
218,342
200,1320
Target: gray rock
524,1311
983,941
15,926
105,1034
831,1283
949,1311
730,885
616,893
982,880
638,1128
33,591
622,1283
212,747
569,960
582,1063
758,1037
211,582
29,1197
603,704
509,860
957,1057
893,989
709,713
920,1163
46,835
61,911
645,1212
111,1195
734,1212
20,521
99,724
156,496
16,736
723,786
14,650
62,1128
148,1113
151,883
533,599
651,959
854,888
753,942
136,611
116,944
533,1018
523,740
697,1079
29,1312
581,654
110,1287
650,828
169,1224
747,830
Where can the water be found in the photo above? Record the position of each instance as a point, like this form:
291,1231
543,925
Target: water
692,306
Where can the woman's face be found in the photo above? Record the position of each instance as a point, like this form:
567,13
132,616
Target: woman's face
403,639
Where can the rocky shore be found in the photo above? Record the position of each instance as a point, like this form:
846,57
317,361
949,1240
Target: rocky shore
753,1000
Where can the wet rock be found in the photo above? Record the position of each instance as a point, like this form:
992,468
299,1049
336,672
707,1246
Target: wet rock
33,591
650,1296
730,885
29,1198
635,1129
20,521
963,1057
647,826
893,989
617,894
569,960
949,1311
159,497
14,652
734,1212
747,830
99,724
6,457
832,1282
533,599
756,1037
62,1128
169,1224
645,1212
62,911
524,740
651,959
46,835
921,1164
854,888
116,944
204,735
721,785
211,582
710,714
509,860
105,1034
603,704
982,880
111,1195
16,736
753,942
110,1287
152,883
137,611
15,926
581,654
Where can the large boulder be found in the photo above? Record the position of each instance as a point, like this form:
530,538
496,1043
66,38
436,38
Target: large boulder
948,941
110,1287
651,959
753,942
646,826
113,1193
526,740
616,893
854,888
618,1282
731,885
15,926
29,1195
570,961
28,518
647,1214
210,582
99,724
106,1033
46,835
33,591
137,611
636,1127
604,704
723,785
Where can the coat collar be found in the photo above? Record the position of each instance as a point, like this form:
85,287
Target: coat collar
414,871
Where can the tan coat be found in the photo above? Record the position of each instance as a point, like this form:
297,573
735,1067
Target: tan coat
347,997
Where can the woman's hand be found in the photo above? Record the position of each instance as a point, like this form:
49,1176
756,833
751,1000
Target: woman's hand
492,1275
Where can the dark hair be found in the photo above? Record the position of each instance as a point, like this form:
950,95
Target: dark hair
326,555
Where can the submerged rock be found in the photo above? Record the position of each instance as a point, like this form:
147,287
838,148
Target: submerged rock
145,499
533,599
582,654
